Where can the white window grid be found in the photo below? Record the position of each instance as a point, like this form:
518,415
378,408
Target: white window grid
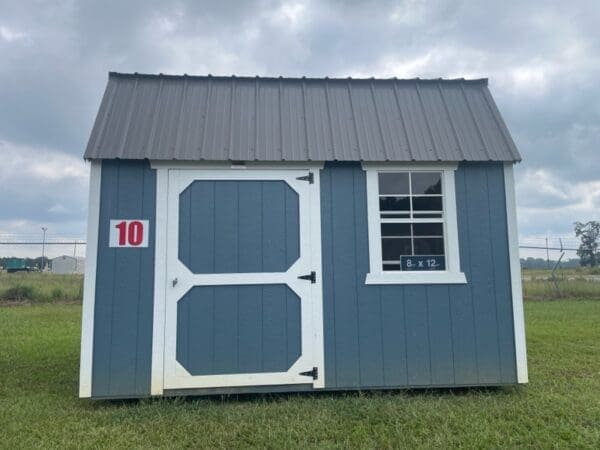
411,219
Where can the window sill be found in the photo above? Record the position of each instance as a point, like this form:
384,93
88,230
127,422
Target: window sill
416,278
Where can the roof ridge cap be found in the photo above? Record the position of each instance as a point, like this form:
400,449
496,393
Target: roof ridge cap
114,74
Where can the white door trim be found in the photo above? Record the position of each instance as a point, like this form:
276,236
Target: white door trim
228,165
167,373
160,274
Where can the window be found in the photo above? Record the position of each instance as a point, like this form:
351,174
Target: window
412,225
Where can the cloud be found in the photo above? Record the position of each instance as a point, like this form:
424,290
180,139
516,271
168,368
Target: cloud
9,35
549,205
542,59
41,185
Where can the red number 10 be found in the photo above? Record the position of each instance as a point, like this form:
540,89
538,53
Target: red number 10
131,233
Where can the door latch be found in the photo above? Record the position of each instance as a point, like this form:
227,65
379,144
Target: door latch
174,282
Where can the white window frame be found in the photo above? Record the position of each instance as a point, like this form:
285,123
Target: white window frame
452,274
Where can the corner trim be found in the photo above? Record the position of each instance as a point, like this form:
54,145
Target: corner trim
89,284
515,274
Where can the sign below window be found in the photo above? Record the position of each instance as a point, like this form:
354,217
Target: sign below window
128,233
422,262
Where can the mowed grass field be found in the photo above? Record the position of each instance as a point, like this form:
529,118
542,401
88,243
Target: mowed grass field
560,407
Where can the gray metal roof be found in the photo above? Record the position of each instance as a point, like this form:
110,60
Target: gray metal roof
164,117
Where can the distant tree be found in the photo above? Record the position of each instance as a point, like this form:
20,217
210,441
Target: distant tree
589,249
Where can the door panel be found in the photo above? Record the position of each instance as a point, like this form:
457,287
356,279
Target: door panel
238,329
238,226
236,311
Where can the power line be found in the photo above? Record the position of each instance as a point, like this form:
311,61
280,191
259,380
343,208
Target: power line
547,248
46,243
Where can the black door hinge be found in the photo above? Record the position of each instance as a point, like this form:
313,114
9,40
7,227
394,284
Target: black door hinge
314,373
311,276
310,178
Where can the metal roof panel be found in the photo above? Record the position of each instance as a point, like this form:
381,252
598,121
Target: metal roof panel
191,118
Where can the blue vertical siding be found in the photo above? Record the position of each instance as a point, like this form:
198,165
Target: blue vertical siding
238,329
122,350
375,336
417,335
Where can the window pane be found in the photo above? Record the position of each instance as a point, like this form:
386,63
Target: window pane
426,183
395,229
393,183
428,229
429,246
420,215
392,249
395,215
387,266
394,204
427,203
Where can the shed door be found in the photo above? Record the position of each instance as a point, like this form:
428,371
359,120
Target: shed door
241,308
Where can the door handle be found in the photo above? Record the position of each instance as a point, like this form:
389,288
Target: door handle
174,282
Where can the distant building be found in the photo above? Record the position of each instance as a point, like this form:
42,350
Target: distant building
67,264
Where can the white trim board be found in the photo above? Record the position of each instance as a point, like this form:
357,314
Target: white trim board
376,275
227,165
89,284
515,274
160,273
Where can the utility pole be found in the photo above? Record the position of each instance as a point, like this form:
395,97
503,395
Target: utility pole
75,255
547,254
43,245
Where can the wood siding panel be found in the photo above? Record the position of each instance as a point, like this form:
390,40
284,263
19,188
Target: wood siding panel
238,226
482,276
238,329
461,300
124,285
501,264
416,335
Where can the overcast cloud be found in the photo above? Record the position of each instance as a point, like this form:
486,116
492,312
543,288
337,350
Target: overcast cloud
542,59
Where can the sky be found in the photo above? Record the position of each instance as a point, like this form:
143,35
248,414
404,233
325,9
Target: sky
542,59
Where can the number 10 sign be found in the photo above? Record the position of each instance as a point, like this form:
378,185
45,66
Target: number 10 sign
128,233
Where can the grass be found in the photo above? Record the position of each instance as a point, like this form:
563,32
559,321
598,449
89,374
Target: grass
567,289
36,287
46,287
572,284
39,347
576,272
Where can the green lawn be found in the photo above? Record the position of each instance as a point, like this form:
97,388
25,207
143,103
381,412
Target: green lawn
39,347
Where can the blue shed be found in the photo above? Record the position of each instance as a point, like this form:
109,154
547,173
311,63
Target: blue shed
252,234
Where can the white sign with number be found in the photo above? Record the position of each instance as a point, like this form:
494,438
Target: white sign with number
128,233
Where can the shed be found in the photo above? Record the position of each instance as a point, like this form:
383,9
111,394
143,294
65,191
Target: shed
67,264
251,234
